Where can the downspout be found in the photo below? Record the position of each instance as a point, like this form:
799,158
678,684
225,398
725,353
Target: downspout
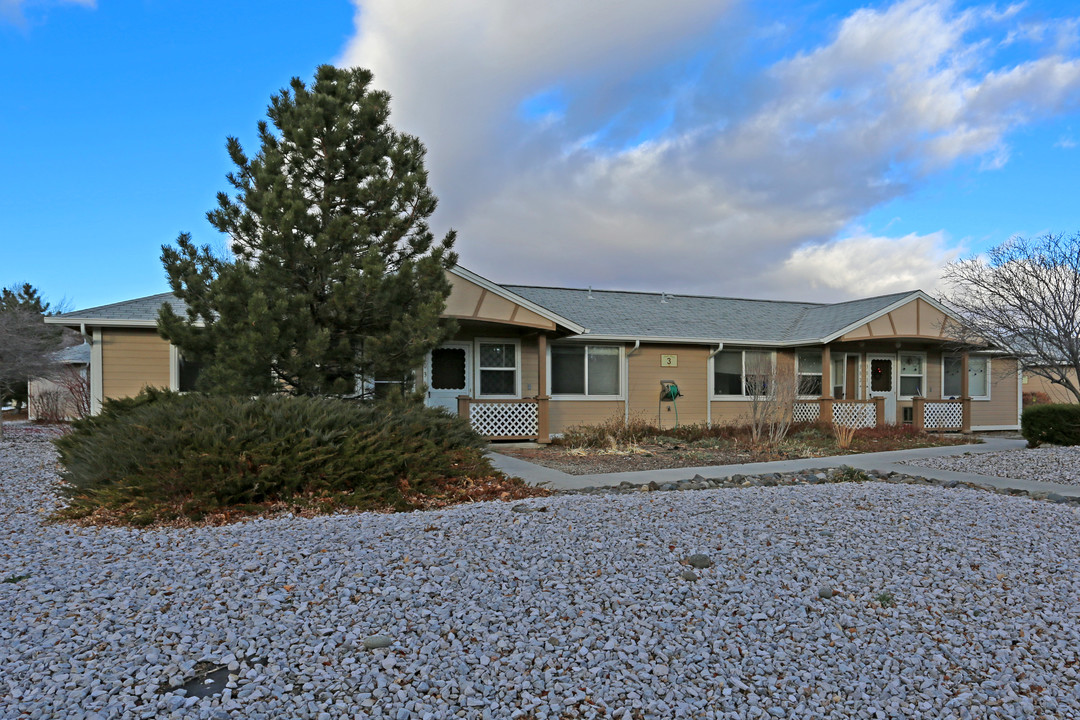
88,338
708,400
626,375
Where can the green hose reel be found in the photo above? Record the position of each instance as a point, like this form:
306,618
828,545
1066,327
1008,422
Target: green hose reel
669,392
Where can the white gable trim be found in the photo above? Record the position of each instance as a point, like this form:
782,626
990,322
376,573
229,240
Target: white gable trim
917,295
517,299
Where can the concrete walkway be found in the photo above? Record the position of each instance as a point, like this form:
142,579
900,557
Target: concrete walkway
882,461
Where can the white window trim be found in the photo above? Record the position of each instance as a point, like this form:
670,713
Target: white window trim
712,374
989,376
174,368
477,387
900,374
585,397
798,374
833,357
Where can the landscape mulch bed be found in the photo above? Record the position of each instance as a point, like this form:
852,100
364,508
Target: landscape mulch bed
662,456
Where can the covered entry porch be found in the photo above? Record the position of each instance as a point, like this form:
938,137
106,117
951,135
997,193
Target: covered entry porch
867,384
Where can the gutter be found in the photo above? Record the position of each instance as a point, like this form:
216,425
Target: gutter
708,400
626,402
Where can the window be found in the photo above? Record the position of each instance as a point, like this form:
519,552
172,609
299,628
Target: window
585,370
839,375
187,373
978,377
808,367
498,368
742,373
912,375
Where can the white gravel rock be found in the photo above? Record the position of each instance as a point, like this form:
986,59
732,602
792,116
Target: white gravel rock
1050,464
574,612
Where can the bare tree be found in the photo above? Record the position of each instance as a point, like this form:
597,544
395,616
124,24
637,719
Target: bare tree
1024,298
773,391
26,348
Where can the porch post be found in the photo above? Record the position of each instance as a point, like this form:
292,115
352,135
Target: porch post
879,411
825,411
965,394
918,413
542,398
463,406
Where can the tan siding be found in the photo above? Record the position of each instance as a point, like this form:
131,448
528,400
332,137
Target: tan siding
1000,409
470,301
1058,394
691,376
881,327
730,412
464,297
493,307
530,368
858,333
931,320
905,319
933,376
131,360
568,413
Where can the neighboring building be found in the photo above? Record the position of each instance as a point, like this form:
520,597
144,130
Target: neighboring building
61,397
1055,392
527,362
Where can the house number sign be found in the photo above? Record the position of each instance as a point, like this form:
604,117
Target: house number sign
669,361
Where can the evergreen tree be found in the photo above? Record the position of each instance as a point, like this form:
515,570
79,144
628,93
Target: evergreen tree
23,297
335,274
26,343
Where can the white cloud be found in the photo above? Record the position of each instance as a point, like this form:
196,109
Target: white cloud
864,265
678,161
12,11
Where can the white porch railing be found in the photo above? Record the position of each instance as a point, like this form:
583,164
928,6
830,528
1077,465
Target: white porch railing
507,419
940,414
806,412
857,414
847,413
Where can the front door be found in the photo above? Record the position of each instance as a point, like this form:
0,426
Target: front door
881,382
449,375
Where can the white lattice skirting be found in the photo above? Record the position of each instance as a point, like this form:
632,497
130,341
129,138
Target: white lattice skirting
806,412
858,415
943,415
496,419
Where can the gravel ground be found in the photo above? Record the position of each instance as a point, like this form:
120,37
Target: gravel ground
825,601
1044,464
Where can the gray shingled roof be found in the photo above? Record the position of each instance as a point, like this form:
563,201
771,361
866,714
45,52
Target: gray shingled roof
636,314
625,314
139,310
74,355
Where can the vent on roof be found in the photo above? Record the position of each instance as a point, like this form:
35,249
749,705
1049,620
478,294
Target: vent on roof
664,297
590,293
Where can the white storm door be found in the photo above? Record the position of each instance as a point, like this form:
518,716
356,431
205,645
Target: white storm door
881,382
449,374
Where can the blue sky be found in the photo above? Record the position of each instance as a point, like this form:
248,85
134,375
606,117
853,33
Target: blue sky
831,150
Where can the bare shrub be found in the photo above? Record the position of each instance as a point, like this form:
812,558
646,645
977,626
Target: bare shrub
47,405
773,392
844,435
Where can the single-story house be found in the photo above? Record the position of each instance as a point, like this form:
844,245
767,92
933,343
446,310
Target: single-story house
1040,385
61,397
528,362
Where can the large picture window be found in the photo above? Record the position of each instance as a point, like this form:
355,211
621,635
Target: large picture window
978,377
742,373
498,364
589,370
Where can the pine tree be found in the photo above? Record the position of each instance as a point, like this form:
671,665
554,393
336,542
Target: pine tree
335,274
26,343
23,297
